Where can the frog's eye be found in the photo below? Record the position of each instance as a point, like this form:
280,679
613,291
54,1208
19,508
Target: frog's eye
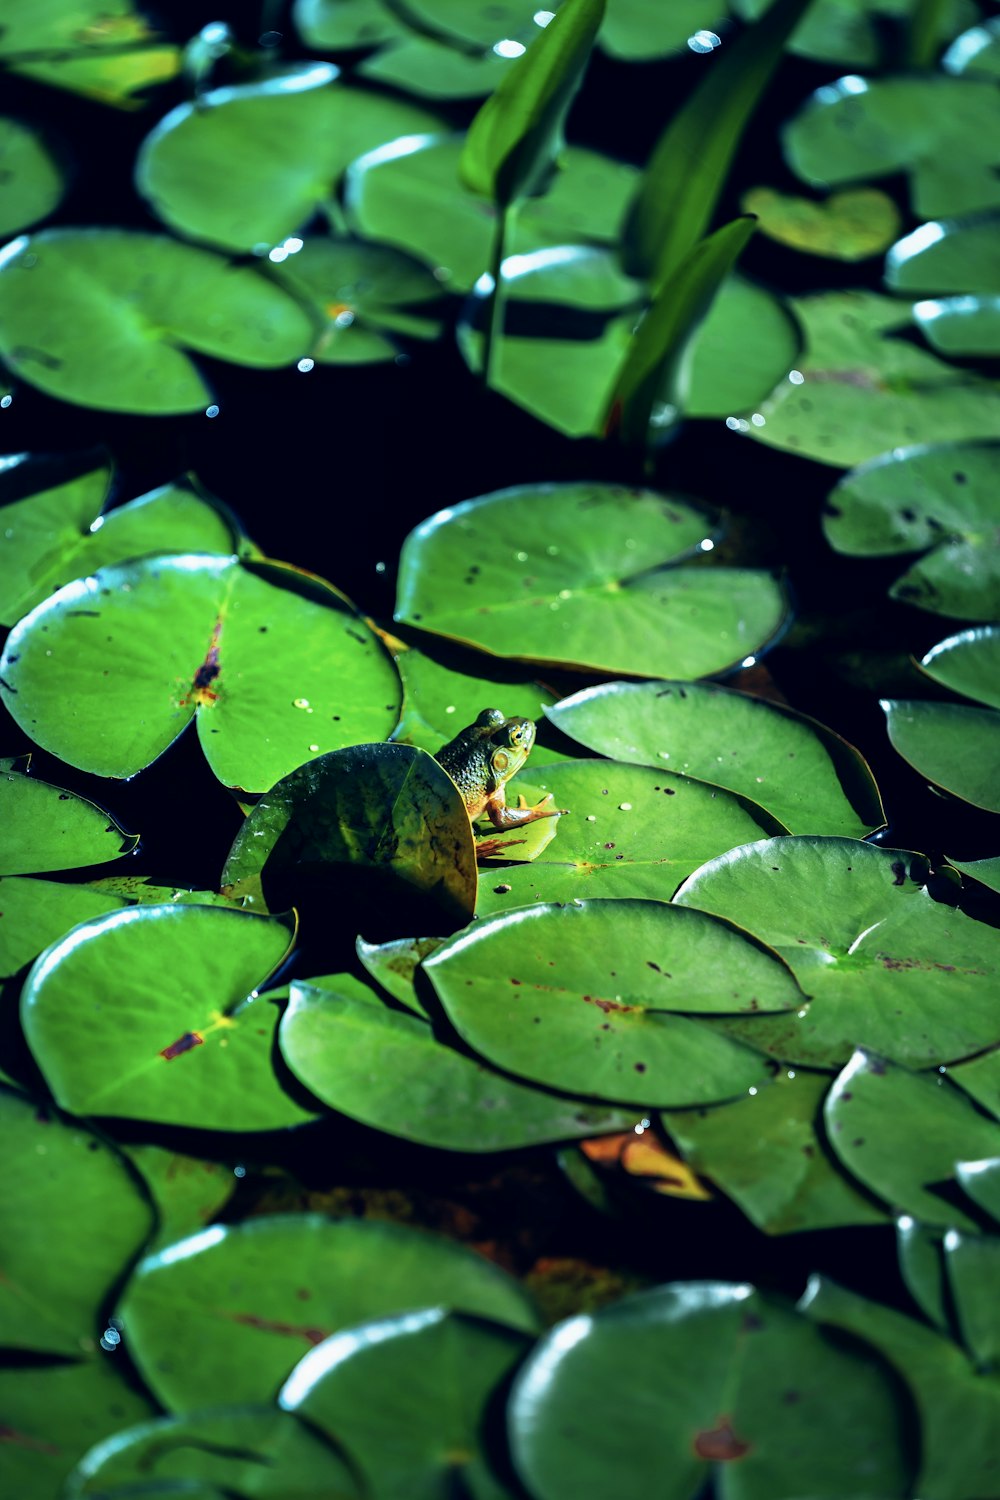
501,760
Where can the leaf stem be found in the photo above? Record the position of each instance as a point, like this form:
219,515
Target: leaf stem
494,327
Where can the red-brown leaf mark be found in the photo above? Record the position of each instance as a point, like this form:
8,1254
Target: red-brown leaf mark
608,1005
11,1435
183,1044
312,1336
720,1442
201,688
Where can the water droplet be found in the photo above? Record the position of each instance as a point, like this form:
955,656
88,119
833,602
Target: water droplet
450,709
704,41
749,661
796,377
706,544
301,703
509,48
212,411
624,807
305,365
543,17
239,1170
591,818
521,556
313,749
6,401
758,420
751,1091
380,567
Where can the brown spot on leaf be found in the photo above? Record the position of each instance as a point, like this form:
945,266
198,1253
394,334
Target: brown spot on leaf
720,1443
312,1336
183,1044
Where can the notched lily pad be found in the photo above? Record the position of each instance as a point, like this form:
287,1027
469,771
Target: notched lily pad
573,574
847,226
46,828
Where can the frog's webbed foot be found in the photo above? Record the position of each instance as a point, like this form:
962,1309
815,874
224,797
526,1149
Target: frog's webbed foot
487,848
540,810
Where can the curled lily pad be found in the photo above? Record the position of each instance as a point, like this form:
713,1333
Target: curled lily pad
955,255
768,1153
630,831
53,530
940,501
729,739
273,664
186,1042
386,811
850,226
901,1135
49,829
248,165
584,997
968,663
392,1072
32,181
63,1185
731,1382
860,389
574,575
409,1432
108,318
941,131
276,1287
954,746
878,957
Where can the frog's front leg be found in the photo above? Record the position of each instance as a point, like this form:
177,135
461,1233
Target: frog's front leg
502,816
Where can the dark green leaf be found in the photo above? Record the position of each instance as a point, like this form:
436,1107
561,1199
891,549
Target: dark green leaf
968,663
981,1181
961,327
980,1078
49,829
921,1264
955,747
985,870
395,966
333,24
418,65
187,1192
973,1265
959,255
636,30
976,51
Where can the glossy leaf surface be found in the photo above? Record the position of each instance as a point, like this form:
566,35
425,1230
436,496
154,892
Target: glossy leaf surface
968,663
960,327
49,829
186,1042
34,913
958,255
248,1280
956,747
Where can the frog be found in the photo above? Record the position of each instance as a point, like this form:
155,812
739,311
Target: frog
481,760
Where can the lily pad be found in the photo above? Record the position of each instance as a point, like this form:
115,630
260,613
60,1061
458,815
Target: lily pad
954,746
385,810
361,295
410,1435
186,1041
272,663
389,1070
420,65
851,226
985,870
878,957
939,501
768,1153
187,1192
573,574
334,24
247,165
981,1181
395,966
860,389
108,318
408,194
723,1382
273,1288
854,31
901,1135
920,1248
53,533
968,663
980,1079
976,52
941,131
49,829
631,831
31,179
104,49
585,997
638,30
228,1450
961,327
729,739
34,913
973,1265
958,255
950,1397
62,1185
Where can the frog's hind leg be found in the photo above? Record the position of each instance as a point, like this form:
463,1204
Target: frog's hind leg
488,848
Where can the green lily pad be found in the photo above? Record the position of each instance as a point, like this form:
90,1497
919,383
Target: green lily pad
859,390
244,167
851,226
638,30
973,1266
408,194
34,913
272,663
980,1079
961,327
386,810
768,1153
954,746
985,870
103,49
631,831
601,1021
939,501
31,180
717,1374
732,740
574,574
272,1288
901,1135
54,1413
49,829
981,1181
54,533
407,1398
937,130
389,1070
65,1186
194,1049
920,1248
422,66
186,1191
361,295
878,957
335,24
395,966
853,31
229,1450
108,318
950,1397
958,255
968,663
976,51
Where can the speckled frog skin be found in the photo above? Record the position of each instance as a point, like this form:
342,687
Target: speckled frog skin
483,758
